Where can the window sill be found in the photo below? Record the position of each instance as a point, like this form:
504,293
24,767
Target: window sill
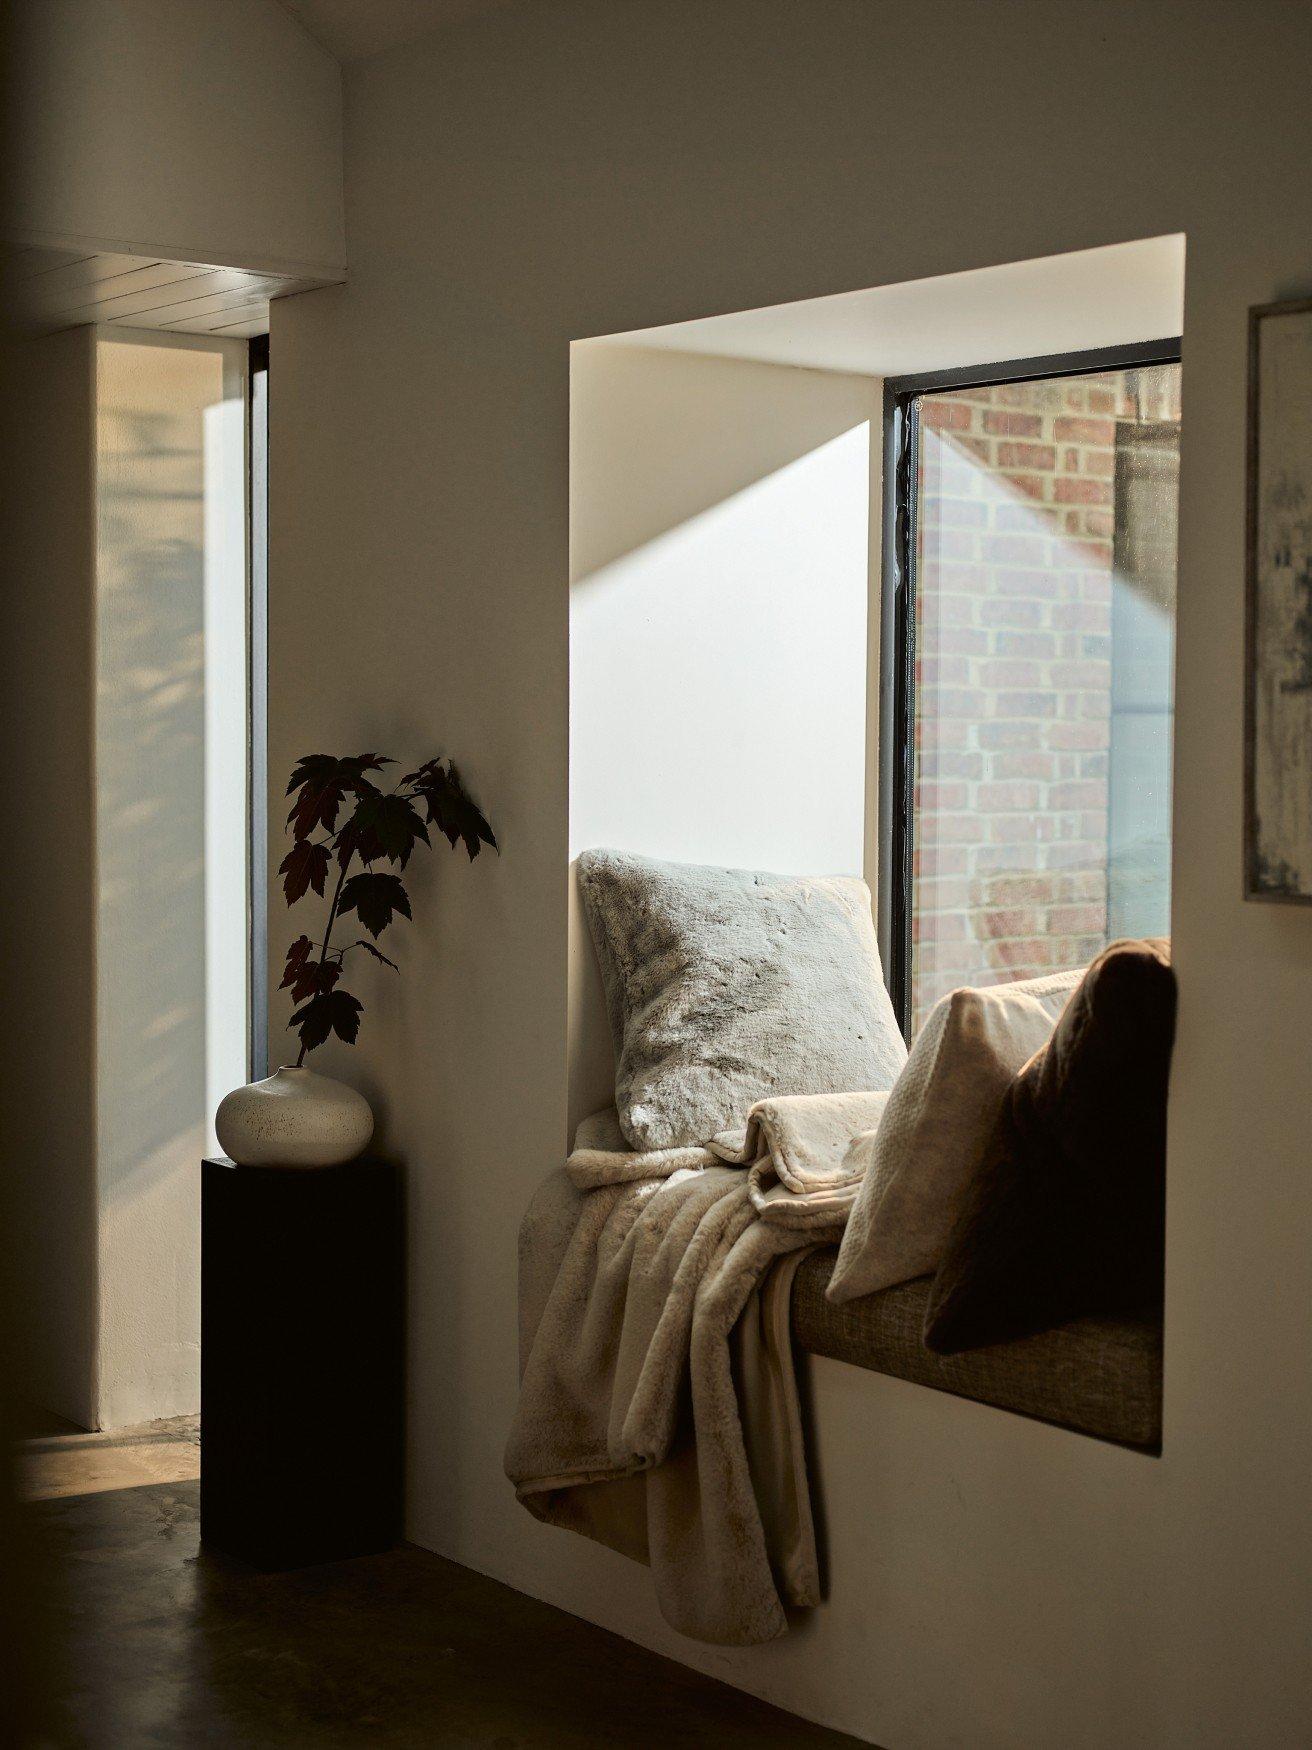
1096,1376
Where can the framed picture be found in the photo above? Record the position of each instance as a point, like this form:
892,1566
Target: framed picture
1278,656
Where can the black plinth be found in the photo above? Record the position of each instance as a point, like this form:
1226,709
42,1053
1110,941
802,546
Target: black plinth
301,1361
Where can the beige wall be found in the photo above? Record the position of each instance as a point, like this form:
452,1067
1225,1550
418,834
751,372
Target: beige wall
719,579
47,917
554,172
184,129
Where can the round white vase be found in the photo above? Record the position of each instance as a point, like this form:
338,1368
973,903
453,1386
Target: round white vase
294,1119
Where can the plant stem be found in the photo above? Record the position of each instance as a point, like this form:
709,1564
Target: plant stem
327,934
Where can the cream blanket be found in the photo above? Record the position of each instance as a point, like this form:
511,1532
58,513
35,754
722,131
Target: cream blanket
658,1407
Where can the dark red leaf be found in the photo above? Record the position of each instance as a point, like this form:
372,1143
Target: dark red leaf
322,782
316,978
297,956
381,826
450,807
331,1012
304,866
376,899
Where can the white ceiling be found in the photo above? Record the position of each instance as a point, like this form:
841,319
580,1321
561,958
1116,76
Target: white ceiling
352,29
1027,309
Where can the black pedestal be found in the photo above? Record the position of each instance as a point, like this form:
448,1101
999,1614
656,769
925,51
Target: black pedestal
301,1361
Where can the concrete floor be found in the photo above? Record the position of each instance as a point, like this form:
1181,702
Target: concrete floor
158,1643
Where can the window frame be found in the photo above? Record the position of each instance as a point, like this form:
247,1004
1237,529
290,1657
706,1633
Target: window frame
897,647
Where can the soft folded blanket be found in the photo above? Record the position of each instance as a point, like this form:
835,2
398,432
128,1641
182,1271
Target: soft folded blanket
658,1407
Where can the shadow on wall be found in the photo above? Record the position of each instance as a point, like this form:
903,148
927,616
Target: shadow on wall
151,794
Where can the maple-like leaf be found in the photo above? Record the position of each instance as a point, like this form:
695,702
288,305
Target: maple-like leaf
297,957
381,826
316,979
449,806
375,898
304,866
329,1012
322,782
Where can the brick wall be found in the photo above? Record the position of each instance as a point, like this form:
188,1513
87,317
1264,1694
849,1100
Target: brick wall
1014,675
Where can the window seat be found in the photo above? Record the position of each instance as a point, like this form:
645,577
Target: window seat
1100,1376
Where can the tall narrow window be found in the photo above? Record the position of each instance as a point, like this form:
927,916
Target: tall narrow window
257,657
1039,529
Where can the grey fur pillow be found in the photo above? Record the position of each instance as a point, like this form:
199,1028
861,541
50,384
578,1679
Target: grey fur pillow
725,986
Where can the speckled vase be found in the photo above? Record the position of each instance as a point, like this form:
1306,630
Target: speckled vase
294,1119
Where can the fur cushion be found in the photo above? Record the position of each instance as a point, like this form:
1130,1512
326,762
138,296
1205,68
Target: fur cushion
931,1139
1067,1214
727,986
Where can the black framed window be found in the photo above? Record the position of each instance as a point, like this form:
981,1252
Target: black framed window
257,571
1026,720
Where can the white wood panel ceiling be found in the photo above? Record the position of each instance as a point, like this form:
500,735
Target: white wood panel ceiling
50,289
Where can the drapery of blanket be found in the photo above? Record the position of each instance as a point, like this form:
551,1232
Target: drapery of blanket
658,1407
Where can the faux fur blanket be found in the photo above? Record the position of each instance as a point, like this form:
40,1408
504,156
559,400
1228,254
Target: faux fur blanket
658,1407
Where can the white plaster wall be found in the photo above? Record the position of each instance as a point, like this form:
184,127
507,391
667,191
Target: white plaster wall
719,561
183,129
549,173
170,781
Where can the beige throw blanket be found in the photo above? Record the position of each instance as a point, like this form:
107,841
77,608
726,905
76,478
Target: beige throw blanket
658,1407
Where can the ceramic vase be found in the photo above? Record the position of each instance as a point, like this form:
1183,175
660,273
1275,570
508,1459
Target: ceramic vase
294,1119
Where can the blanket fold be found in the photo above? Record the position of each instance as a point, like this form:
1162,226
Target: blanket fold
658,1404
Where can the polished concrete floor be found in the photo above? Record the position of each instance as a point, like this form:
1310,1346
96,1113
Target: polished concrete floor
158,1643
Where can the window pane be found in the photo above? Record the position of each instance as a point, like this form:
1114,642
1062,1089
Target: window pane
1045,610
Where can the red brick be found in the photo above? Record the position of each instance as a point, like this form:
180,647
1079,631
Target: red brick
1010,611
1079,674
1100,462
995,798
958,829
959,641
1022,889
1066,490
1101,401
952,702
935,575
938,927
933,798
1075,735
940,764
1076,920
1023,957
990,925
934,671
946,415
1025,425
1084,431
1014,455
937,732
1027,763
1011,735
1009,672
1038,644
1080,616
1028,704
940,860
990,857
1015,549
1038,585
1086,793
958,513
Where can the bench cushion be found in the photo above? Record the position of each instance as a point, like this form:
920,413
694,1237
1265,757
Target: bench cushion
1100,1376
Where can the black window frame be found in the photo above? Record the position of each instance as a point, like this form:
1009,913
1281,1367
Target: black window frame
897,650
257,679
